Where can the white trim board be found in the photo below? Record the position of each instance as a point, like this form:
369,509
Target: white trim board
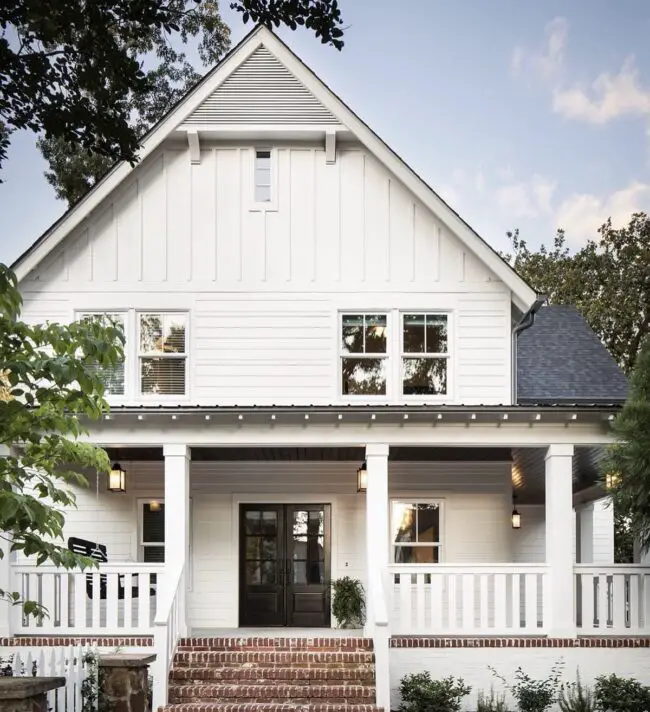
523,295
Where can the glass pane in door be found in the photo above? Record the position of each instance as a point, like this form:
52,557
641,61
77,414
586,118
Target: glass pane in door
307,547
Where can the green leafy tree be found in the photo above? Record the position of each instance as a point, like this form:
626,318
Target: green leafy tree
75,70
608,280
53,380
629,459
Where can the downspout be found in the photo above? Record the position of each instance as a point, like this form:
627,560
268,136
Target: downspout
527,320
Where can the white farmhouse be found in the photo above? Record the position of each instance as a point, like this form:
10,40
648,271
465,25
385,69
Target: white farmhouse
328,373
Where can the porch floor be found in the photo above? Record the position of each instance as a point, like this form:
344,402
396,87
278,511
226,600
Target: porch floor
278,632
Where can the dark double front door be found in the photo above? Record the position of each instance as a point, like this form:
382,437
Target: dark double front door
284,557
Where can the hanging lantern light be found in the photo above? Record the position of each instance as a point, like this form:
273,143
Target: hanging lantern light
362,478
117,478
612,479
516,517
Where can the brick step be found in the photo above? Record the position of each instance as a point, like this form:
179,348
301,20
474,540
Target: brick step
337,694
341,644
263,675
298,658
268,707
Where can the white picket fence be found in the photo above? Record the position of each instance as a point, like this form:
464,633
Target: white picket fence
55,662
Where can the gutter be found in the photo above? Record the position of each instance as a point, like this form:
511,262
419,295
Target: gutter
526,322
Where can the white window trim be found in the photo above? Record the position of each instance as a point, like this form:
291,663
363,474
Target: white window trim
271,205
139,395
128,343
387,356
440,544
141,544
440,398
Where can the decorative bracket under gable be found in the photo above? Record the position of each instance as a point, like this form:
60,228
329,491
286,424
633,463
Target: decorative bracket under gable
330,147
194,146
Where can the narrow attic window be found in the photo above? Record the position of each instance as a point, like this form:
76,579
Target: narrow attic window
262,176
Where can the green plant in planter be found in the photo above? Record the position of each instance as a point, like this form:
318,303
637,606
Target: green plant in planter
576,697
493,703
534,695
618,694
349,604
420,693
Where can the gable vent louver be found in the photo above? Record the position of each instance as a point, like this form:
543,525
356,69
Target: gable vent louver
262,91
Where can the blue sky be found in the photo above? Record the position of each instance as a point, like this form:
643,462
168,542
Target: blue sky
529,115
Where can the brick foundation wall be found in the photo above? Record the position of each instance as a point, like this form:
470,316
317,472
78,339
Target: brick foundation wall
46,641
415,641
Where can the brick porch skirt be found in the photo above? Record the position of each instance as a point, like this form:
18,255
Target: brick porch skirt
423,641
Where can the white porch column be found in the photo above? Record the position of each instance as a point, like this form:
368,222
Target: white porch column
377,534
5,573
559,601
177,516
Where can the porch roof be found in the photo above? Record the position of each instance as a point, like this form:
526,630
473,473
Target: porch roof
384,413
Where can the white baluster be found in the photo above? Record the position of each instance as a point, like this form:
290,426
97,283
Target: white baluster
80,610
419,601
530,601
484,602
128,602
469,610
516,601
112,601
405,605
436,602
603,602
144,605
635,597
452,602
500,602
619,618
47,600
96,606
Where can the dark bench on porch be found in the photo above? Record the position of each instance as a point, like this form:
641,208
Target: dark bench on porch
98,552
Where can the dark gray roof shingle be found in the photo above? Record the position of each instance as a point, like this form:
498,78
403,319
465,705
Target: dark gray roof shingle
561,360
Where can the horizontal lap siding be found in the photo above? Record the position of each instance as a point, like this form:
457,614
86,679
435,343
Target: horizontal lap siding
483,345
264,287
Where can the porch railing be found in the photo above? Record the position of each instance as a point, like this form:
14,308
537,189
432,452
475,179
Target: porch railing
472,599
114,599
613,599
170,625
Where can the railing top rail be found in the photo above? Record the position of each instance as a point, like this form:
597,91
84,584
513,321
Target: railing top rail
466,568
611,568
111,568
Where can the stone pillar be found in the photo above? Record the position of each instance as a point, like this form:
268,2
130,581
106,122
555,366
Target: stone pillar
377,526
559,603
27,694
124,681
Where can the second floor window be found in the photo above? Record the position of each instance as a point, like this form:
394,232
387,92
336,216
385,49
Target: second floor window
162,357
364,354
113,377
425,354
262,176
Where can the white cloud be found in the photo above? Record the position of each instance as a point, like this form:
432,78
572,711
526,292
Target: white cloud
547,62
610,96
580,215
526,199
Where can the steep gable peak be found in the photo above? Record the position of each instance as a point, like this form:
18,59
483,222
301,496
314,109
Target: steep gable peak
236,89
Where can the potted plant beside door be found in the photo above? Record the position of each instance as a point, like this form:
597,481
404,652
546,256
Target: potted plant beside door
349,604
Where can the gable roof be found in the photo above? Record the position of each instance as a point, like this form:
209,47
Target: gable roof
200,97
560,360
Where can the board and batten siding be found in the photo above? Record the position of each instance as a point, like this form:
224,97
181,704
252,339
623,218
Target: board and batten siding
264,286
475,528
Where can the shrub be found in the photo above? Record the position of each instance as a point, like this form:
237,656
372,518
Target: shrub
422,694
493,703
619,694
576,697
534,695
349,605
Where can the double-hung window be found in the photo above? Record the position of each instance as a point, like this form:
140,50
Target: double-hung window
425,354
113,377
162,357
364,354
415,531
152,532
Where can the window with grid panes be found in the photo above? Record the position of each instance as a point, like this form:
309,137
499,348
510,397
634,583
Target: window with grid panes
111,376
163,353
364,354
425,354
